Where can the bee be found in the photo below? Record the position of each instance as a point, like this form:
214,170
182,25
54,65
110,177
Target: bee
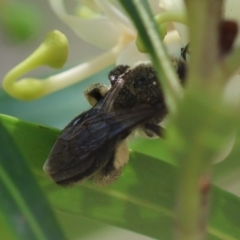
93,145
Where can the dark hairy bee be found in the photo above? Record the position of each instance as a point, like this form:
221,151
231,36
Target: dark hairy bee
93,144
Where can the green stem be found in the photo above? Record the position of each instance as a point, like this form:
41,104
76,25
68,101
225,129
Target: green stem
204,21
203,33
193,199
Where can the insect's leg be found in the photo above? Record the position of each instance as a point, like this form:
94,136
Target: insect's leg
113,169
151,130
95,92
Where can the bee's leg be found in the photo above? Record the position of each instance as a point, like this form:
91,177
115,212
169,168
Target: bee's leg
151,130
113,169
95,92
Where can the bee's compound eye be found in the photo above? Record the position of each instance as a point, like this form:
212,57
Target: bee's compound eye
112,79
116,72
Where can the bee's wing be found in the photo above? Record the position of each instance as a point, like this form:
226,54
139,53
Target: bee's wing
83,149
104,105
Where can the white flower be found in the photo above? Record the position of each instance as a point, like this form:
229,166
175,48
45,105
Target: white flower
107,24
231,11
102,23
176,5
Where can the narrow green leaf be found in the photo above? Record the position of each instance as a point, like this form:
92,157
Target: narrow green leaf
142,200
6,231
21,200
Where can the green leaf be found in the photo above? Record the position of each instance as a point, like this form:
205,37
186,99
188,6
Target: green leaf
142,200
22,201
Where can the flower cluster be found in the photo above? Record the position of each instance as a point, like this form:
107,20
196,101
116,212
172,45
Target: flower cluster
104,24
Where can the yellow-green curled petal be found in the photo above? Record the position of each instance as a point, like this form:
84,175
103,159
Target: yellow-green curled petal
28,89
52,52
